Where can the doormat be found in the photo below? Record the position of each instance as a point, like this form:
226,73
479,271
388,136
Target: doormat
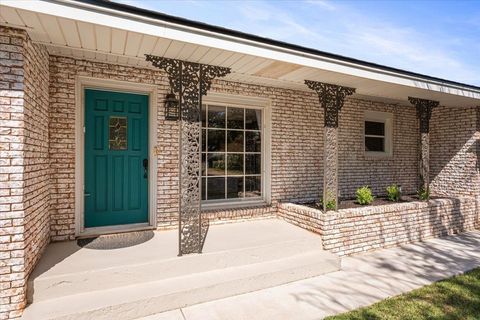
115,241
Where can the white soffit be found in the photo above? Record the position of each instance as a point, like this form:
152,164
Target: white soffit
72,31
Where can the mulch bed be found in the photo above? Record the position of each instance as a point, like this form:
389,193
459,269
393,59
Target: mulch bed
380,201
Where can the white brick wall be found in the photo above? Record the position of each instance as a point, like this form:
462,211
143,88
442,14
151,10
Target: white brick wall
24,165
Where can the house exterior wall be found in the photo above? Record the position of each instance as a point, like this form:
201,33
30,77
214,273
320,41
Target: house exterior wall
454,156
24,165
296,144
356,169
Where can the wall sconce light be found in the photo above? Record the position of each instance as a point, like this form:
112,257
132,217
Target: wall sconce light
172,110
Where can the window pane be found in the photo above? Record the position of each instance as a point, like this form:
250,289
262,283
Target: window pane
235,164
215,188
216,164
216,117
204,163
374,128
235,118
204,140
253,119
204,190
216,140
253,142
235,187
204,115
234,141
253,187
252,163
374,144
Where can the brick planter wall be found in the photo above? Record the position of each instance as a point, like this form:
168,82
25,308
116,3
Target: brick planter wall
363,229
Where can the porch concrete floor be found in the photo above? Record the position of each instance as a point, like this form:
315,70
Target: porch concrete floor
79,283
363,280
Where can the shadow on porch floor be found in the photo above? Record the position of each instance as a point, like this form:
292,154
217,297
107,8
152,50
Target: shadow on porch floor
148,278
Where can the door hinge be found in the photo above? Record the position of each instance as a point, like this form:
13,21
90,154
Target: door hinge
83,129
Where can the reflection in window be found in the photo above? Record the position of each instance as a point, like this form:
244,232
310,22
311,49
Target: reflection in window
117,133
231,152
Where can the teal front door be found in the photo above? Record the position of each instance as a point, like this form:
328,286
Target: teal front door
116,158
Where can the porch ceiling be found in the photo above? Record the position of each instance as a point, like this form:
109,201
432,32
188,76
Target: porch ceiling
68,29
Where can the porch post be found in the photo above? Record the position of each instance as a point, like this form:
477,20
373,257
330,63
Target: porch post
189,81
331,99
424,113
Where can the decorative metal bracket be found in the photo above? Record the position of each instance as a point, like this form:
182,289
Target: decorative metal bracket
331,98
424,112
189,81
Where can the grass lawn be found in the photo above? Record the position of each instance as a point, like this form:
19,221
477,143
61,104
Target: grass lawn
454,298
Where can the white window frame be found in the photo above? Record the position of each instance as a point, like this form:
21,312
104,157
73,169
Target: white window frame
387,119
252,103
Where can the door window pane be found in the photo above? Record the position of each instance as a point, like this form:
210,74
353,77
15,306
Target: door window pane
117,133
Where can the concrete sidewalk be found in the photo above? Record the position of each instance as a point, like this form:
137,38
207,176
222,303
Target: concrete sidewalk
364,279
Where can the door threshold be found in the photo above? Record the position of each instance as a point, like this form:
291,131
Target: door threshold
99,231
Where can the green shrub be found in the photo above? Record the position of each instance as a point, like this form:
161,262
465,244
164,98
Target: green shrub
393,193
330,205
423,194
364,195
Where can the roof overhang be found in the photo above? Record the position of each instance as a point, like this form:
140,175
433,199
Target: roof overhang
101,31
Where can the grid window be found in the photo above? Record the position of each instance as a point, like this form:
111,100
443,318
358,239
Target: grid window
231,153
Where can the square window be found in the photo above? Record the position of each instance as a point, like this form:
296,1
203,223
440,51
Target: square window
378,133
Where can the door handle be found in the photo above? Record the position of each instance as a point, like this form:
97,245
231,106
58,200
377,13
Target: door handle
145,168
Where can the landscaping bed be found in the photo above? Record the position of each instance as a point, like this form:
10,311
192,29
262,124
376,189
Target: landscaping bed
455,298
369,227
352,203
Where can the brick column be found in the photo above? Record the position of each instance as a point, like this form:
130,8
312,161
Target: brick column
424,113
331,99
